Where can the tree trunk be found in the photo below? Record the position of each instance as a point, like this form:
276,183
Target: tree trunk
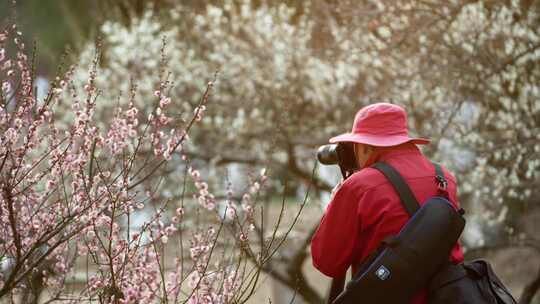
530,290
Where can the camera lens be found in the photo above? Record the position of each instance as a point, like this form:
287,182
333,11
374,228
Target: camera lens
328,155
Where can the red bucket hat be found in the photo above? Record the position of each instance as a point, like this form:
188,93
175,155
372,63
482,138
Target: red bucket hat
380,125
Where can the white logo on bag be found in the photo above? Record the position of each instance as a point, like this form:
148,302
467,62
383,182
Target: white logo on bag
382,273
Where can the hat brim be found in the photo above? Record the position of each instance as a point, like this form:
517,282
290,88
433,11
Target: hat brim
378,140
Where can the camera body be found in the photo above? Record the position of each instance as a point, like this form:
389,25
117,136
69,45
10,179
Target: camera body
341,154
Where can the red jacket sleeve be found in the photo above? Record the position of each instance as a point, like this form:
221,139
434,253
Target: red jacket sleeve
333,244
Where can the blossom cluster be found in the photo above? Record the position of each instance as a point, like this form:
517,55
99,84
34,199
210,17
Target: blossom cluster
74,186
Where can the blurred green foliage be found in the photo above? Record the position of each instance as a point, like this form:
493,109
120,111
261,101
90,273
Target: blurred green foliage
52,25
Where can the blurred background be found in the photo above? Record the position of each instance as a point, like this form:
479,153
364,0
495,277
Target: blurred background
292,73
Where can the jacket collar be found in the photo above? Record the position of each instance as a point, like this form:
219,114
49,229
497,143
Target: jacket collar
385,153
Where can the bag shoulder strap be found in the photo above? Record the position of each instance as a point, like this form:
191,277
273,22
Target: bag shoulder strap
439,172
442,183
408,199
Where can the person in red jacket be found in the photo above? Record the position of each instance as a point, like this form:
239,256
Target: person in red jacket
365,209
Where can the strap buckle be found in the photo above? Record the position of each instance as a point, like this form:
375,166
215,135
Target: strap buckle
441,182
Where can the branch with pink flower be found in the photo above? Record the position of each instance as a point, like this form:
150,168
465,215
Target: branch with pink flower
90,193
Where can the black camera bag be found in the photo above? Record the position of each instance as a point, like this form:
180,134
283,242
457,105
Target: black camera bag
472,282
404,264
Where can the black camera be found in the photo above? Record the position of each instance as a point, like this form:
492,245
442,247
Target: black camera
341,154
